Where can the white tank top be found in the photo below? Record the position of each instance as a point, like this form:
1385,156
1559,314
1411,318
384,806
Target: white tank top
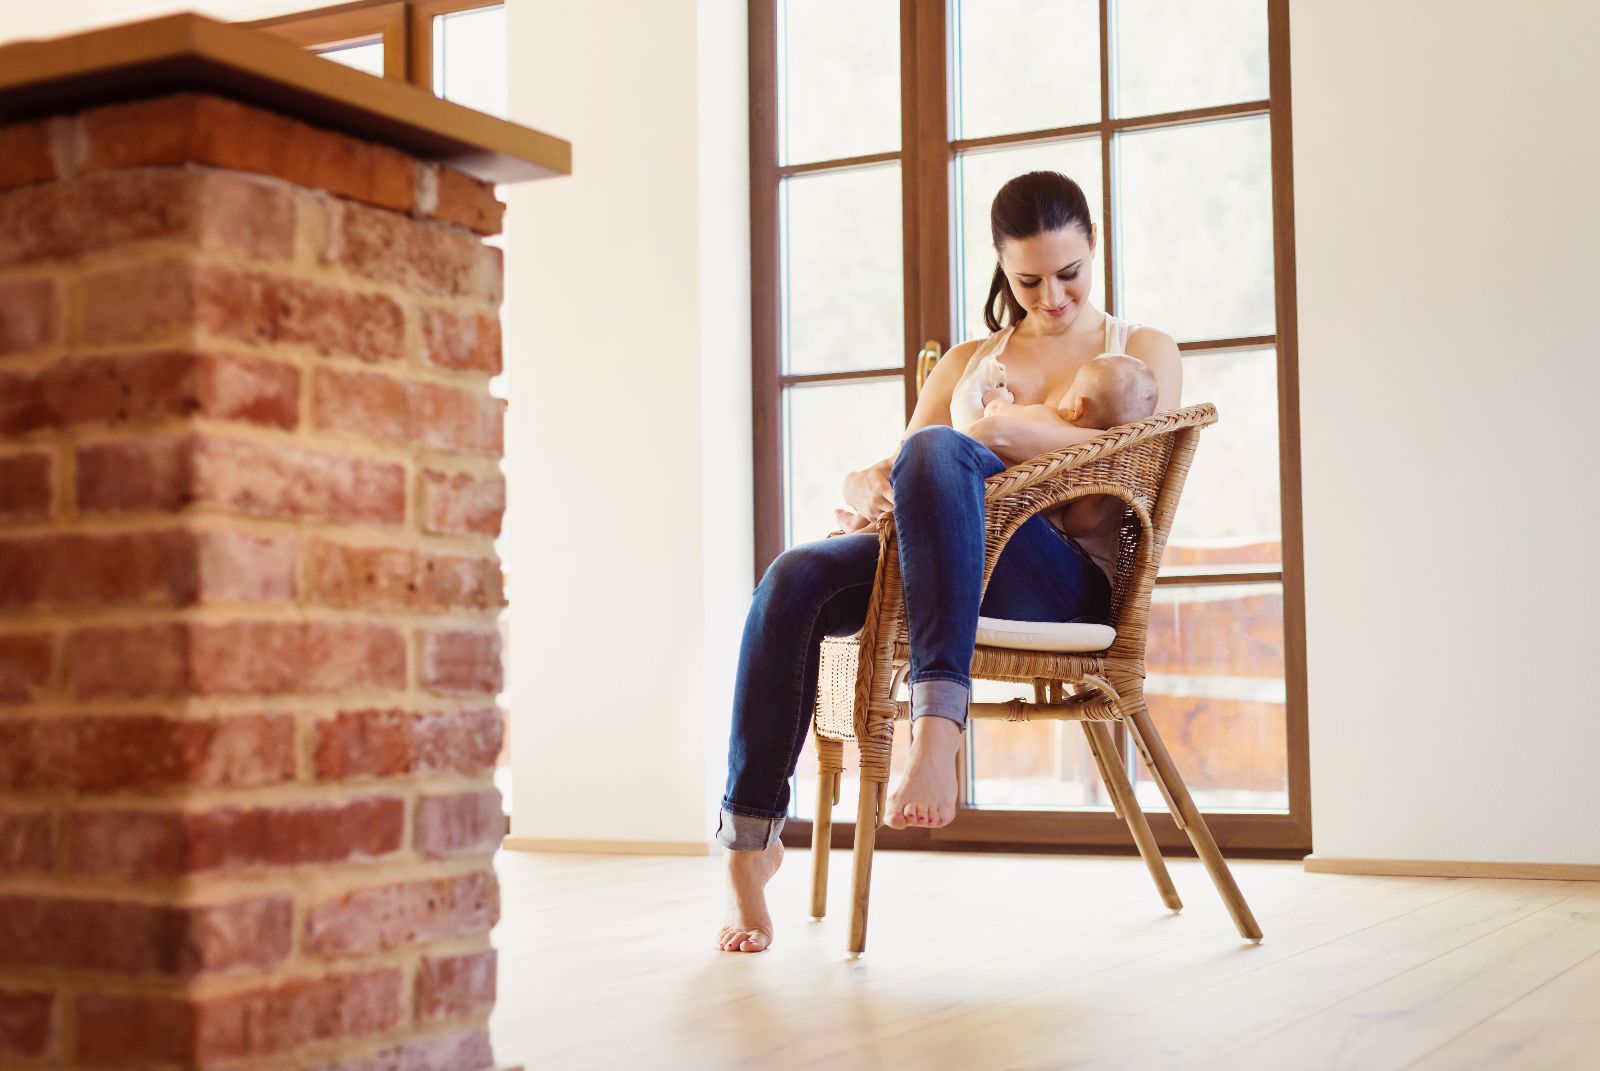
985,371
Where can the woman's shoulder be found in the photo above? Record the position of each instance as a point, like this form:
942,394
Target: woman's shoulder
1147,339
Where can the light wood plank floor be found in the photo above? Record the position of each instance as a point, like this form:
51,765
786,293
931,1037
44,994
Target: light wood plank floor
1033,962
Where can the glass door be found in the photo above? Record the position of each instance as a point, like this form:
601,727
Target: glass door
1172,115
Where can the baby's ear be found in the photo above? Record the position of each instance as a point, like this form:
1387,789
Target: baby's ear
1075,409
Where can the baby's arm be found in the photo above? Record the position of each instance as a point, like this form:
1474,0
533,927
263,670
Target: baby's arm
1039,414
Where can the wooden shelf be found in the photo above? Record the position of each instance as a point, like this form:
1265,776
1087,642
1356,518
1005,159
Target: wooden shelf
192,52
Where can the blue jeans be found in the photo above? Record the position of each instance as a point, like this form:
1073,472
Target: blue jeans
821,589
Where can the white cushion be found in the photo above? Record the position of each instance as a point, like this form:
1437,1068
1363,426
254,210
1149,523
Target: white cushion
1061,636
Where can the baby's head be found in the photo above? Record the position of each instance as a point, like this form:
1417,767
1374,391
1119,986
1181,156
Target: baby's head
1112,389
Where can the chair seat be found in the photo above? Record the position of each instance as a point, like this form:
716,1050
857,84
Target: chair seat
1059,636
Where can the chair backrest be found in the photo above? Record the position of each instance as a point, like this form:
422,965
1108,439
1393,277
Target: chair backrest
1145,464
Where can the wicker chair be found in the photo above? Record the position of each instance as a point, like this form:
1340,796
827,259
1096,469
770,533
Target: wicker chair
1144,464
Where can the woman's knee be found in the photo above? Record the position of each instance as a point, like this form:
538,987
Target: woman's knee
939,446
803,573
928,444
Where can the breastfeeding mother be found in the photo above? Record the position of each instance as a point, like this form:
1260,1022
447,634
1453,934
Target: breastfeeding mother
1054,568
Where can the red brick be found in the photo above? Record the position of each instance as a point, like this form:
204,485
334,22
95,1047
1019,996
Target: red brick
149,387
136,1030
235,658
60,220
462,504
244,567
26,662
26,482
199,128
450,987
397,578
27,841
461,340
375,920
422,257
386,743
140,938
30,314
142,844
238,476
152,301
408,411
102,753
25,1016
465,822
172,567
468,1051
450,195
66,219
25,156
122,1031
461,662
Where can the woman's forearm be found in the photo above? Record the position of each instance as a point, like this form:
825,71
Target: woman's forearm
1017,439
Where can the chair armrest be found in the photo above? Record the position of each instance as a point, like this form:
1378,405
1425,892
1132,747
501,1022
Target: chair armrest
1043,468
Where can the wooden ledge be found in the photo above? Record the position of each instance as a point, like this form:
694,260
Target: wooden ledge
188,51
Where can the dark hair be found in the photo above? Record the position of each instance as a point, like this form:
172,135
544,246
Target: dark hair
1029,204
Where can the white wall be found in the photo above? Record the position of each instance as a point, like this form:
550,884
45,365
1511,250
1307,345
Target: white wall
629,527
628,537
1447,234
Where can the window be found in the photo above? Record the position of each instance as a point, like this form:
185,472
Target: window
880,132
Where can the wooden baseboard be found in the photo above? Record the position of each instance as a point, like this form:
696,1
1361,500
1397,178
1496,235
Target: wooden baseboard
1449,868
608,847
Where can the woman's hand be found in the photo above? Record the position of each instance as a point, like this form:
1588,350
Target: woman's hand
868,491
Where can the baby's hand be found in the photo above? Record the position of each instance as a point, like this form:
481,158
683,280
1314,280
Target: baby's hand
851,521
997,394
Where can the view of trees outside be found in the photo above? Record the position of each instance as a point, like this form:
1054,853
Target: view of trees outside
1194,256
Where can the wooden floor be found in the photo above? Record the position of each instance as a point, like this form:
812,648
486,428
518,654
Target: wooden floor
1008,961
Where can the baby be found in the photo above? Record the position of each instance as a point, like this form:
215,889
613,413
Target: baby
1112,389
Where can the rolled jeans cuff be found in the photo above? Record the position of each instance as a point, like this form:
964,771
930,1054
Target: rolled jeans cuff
746,832
941,698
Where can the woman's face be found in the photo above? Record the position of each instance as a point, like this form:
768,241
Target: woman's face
1049,273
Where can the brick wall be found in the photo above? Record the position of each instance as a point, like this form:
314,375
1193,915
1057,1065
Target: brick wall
249,489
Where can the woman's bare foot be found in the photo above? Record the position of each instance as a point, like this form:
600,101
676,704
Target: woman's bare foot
749,925
927,794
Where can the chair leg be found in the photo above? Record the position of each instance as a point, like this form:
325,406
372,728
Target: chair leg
821,836
1116,778
1155,756
867,811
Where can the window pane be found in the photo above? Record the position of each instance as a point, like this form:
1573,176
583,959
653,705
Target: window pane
1026,65
1033,764
1216,693
979,176
367,57
1229,516
842,307
1194,228
831,429
838,80
469,59
1173,55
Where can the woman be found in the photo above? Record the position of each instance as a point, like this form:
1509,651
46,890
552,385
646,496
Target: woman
1044,243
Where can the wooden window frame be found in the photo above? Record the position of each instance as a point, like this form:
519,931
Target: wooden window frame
926,156
404,26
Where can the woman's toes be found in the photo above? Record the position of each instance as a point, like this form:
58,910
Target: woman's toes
754,941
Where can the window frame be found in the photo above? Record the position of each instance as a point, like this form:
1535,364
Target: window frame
926,157
404,26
